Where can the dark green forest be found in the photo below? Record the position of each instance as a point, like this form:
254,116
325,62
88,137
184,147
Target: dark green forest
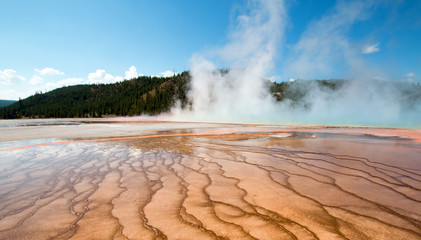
4,103
142,95
154,95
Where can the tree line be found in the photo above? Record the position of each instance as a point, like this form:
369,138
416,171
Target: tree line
153,95
142,95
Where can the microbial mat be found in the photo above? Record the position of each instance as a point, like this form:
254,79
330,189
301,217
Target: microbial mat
163,180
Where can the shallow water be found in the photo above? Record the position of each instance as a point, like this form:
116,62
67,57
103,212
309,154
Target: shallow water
234,182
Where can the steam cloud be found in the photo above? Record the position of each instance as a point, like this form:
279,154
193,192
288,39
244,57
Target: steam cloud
240,95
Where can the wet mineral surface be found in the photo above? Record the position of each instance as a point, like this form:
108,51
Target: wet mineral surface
211,181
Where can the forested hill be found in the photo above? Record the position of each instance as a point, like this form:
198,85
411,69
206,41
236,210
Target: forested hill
154,95
4,103
143,95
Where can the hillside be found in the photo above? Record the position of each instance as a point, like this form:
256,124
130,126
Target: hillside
154,95
143,95
4,103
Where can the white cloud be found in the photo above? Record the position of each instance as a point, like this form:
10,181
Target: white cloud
167,73
9,75
100,76
48,71
70,81
274,78
35,80
131,73
409,77
63,83
9,94
41,82
371,48
325,48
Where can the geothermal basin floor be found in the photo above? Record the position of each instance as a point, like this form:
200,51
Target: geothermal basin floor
70,179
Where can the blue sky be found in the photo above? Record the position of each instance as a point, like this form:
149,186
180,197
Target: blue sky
47,44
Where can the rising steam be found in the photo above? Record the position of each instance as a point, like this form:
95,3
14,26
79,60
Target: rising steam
240,94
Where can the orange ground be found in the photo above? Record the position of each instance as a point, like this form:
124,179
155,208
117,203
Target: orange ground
223,182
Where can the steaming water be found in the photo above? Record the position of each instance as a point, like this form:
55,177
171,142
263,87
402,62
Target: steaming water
240,95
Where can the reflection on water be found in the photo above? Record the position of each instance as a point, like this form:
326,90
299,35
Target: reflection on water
236,186
38,122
